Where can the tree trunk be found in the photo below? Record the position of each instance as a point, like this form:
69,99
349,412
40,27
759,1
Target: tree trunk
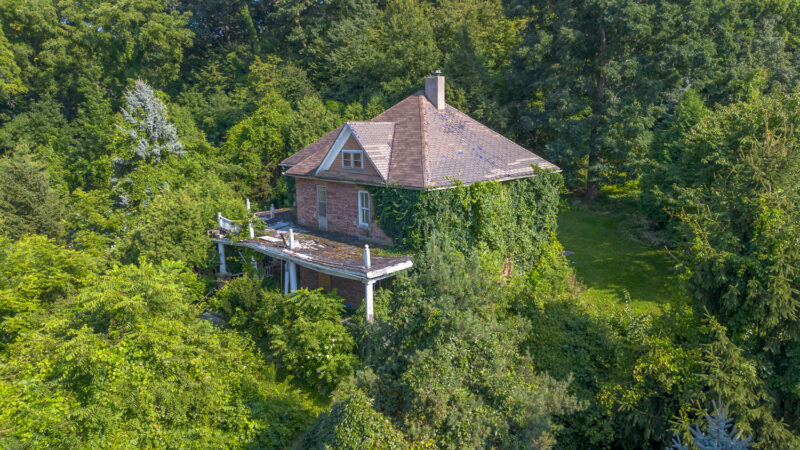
592,188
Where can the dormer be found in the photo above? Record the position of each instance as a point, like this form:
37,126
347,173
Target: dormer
362,149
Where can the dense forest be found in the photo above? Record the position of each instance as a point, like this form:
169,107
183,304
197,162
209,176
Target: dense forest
125,126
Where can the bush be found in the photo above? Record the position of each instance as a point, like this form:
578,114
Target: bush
240,299
306,337
127,363
446,362
352,423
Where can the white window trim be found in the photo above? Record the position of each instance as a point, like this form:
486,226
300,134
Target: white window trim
352,154
361,207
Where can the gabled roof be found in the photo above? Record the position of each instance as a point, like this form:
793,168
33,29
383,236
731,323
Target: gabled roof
428,148
376,140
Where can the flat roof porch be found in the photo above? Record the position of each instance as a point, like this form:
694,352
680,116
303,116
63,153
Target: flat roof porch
331,254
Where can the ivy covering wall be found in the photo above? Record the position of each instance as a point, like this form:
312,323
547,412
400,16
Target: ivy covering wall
515,218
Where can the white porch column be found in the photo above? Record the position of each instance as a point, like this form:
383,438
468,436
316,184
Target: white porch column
271,210
292,277
223,267
286,277
368,300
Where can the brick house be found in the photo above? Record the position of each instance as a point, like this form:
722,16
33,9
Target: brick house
419,143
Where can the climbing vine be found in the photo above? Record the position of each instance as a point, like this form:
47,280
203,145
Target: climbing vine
515,218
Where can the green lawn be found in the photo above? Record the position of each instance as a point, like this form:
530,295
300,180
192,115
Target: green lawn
607,262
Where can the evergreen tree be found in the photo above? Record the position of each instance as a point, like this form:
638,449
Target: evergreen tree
445,363
29,205
720,433
145,137
739,207
591,73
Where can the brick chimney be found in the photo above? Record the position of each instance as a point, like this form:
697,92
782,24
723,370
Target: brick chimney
434,90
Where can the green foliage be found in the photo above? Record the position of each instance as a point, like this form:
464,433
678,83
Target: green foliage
174,224
257,144
645,375
720,433
596,76
128,362
446,364
93,224
739,203
663,170
515,218
10,82
301,332
307,338
34,273
28,202
239,299
120,359
739,222
352,423
407,44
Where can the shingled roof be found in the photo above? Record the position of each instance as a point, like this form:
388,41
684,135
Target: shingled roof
414,144
376,140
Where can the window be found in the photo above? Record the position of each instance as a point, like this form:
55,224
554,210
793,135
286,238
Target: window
352,159
363,208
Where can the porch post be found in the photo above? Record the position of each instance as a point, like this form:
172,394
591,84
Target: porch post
368,299
223,268
292,277
285,271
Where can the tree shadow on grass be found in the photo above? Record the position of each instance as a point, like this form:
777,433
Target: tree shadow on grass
609,262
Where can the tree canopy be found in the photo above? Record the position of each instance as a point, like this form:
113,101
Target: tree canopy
126,126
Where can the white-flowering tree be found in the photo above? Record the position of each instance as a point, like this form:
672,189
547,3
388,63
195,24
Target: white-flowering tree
720,433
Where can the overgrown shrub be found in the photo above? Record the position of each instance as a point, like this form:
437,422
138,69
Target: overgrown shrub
240,299
446,365
127,362
353,423
307,338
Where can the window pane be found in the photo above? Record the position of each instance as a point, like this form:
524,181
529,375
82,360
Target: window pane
363,208
346,159
357,160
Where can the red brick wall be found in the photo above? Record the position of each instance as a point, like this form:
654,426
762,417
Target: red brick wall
351,291
342,209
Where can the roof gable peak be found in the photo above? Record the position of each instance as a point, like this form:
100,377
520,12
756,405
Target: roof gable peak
373,138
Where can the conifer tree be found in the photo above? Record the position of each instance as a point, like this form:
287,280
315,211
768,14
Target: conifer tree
720,433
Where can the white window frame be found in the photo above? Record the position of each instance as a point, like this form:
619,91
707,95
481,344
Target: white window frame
364,208
353,154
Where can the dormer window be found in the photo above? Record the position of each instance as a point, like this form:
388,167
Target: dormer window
352,159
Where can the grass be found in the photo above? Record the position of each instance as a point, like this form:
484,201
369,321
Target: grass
609,263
